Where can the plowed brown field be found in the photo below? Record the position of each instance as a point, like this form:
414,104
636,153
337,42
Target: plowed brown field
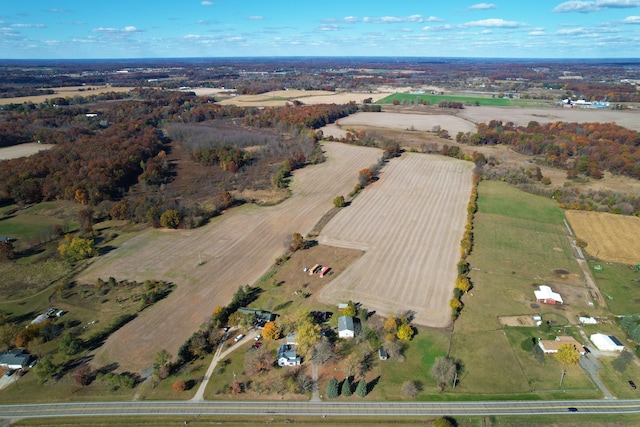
236,249
614,238
410,224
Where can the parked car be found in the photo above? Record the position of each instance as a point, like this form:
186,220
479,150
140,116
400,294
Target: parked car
632,384
586,349
238,338
225,329
10,372
258,337
33,363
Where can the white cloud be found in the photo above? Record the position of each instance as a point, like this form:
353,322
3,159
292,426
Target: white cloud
28,25
117,32
206,3
446,27
255,18
482,6
329,27
397,19
59,10
631,20
130,29
571,31
434,19
582,6
495,23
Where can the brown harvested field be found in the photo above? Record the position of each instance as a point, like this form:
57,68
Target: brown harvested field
22,150
629,119
613,238
64,92
236,249
308,97
402,121
410,224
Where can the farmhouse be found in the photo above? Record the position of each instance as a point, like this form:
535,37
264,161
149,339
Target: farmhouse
547,296
14,359
606,342
551,346
345,327
287,356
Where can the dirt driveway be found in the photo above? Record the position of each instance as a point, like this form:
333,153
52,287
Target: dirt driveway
236,249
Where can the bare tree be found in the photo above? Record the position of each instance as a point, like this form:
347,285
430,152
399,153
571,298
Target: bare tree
443,371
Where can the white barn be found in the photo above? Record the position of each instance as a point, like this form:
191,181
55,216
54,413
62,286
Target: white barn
606,342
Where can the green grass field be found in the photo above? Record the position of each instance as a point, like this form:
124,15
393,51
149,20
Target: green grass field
618,281
407,98
519,241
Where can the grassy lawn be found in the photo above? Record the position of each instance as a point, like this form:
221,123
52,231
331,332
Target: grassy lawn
519,242
617,382
617,284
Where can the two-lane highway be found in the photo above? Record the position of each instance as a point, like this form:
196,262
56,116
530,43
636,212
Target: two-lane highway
298,408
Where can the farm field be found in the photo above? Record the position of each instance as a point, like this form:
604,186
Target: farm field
435,99
209,264
410,224
310,97
403,121
520,242
63,92
613,238
619,284
629,119
22,150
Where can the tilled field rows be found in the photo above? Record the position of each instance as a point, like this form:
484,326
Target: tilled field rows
410,223
235,250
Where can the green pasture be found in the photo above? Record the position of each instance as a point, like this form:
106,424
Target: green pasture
408,98
519,239
618,281
617,382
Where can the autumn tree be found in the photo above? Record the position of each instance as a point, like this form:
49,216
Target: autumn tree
405,332
307,334
567,355
462,283
257,361
170,219
83,375
8,332
297,242
409,389
162,364
7,252
364,177
179,385
323,351
390,327
77,248
85,216
443,372
339,202
270,331
350,310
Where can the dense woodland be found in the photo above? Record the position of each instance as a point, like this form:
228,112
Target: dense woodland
581,148
117,158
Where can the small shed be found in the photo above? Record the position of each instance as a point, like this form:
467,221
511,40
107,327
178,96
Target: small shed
606,342
346,327
382,354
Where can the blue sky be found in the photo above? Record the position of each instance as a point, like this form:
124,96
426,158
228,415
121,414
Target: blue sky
58,29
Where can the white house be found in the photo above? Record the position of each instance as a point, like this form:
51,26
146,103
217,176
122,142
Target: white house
552,346
547,296
345,327
606,342
287,356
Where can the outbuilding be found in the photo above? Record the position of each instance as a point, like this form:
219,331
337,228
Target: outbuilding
547,296
606,342
346,328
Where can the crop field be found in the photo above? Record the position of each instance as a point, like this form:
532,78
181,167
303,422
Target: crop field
520,241
410,224
209,264
64,92
22,150
418,122
609,237
310,97
436,99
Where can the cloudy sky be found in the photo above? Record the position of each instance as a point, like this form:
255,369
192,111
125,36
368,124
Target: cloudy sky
48,29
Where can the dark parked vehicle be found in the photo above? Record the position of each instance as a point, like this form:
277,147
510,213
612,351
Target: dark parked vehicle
572,409
632,384
586,349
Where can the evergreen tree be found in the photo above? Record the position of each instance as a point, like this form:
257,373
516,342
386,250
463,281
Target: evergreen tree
346,387
332,388
361,390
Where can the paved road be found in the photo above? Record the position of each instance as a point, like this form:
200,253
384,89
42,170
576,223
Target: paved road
270,408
